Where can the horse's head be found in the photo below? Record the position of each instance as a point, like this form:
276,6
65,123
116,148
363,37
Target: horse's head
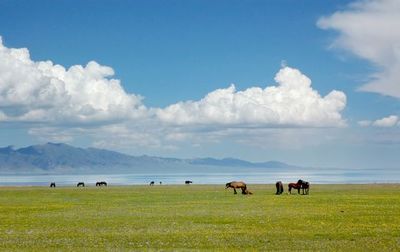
300,182
227,185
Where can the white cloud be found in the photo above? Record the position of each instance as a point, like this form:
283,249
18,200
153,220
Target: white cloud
364,123
292,102
370,30
44,92
85,103
385,122
389,121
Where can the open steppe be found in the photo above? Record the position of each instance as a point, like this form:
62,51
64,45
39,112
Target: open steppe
200,217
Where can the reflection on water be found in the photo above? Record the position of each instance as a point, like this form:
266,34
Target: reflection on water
322,176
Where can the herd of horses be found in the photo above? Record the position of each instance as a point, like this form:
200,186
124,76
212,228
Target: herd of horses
187,182
300,185
82,184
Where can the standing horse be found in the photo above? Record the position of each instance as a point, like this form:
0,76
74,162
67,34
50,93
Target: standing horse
188,182
238,185
305,186
301,184
151,183
295,186
279,188
52,184
80,184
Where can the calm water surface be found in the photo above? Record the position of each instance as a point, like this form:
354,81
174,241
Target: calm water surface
325,176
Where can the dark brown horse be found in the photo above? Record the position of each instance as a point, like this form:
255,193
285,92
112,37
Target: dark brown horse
52,184
80,184
188,182
301,184
238,185
279,187
295,186
151,183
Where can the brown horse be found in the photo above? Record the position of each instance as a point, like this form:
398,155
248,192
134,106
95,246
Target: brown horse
295,186
238,185
301,184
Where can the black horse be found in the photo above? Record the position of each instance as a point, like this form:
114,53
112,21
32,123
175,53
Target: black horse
279,188
152,183
188,182
305,187
80,184
102,183
52,184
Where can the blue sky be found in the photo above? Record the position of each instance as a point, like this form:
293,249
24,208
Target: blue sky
175,51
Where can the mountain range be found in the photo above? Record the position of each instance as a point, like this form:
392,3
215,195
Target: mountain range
60,158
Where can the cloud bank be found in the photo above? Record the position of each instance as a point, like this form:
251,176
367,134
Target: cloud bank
370,30
44,92
58,104
292,102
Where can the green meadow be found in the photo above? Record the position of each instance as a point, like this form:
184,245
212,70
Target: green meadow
200,217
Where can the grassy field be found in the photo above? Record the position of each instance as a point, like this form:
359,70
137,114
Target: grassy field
200,217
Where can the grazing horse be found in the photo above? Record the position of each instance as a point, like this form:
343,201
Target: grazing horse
188,182
279,188
80,184
52,184
102,183
238,185
152,183
295,186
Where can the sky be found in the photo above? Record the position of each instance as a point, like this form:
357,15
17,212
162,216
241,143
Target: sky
313,83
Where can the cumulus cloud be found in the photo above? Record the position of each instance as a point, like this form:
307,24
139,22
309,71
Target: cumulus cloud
63,104
389,121
386,122
292,102
45,92
370,30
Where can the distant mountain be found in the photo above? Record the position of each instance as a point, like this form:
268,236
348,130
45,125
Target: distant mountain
59,158
233,162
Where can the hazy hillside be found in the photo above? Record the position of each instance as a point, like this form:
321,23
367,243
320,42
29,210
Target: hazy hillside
65,159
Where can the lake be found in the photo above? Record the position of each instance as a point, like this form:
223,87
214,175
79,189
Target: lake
251,176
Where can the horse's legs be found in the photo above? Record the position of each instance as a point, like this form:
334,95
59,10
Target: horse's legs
290,189
234,191
298,190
